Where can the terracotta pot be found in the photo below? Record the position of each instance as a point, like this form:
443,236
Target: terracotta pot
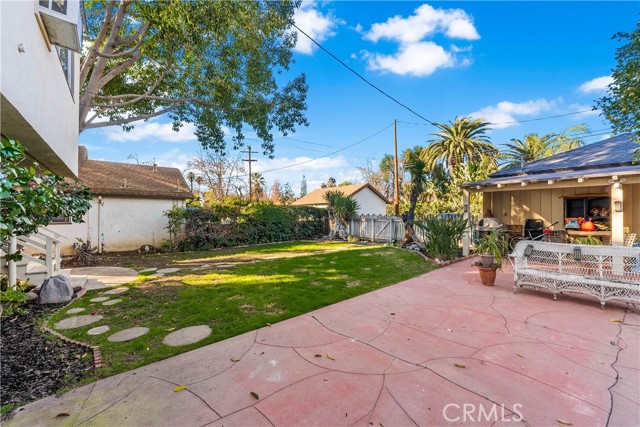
487,275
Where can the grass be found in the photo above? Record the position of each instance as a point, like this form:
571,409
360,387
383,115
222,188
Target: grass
250,288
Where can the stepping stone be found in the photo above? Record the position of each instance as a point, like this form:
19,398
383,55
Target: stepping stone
225,265
99,330
75,310
167,270
148,270
187,335
99,299
116,291
128,334
77,321
112,302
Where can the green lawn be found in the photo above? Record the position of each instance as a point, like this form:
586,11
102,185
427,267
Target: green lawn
256,286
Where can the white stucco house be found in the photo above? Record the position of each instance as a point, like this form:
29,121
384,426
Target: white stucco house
370,200
127,210
39,102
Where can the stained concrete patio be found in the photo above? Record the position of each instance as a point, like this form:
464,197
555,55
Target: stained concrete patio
440,349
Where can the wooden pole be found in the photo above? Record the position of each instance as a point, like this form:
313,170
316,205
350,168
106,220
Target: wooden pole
250,161
396,203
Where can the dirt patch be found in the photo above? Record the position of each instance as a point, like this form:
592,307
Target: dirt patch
247,308
315,283
36,364
272,309
353,284
235,297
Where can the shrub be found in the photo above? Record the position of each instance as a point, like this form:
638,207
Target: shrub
587,240
442,236
235,224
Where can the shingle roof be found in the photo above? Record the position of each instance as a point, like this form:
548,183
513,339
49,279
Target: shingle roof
615,151
124,179
316,197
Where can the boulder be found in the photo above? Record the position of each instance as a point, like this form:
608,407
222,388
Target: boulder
56,290
31,296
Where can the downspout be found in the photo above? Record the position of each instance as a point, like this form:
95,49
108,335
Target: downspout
99,226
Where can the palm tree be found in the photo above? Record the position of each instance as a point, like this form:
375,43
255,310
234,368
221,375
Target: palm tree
533,147
569,139
339,208
257,183
418,180
459,141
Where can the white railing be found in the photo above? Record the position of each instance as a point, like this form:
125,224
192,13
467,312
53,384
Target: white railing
46,242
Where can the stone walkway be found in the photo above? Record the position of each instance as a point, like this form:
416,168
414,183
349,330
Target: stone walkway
437,350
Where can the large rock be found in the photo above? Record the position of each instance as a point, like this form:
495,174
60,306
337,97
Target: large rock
56,290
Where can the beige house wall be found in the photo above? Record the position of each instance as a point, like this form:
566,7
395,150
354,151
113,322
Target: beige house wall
514,206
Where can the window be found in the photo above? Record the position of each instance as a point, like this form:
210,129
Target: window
66,61
596,206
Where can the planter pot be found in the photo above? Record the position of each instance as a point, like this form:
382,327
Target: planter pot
487,275
487,259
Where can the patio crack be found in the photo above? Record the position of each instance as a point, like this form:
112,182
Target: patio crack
192,392
75,419
375,404
506,321
620,349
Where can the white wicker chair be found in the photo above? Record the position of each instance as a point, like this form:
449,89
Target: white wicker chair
629,240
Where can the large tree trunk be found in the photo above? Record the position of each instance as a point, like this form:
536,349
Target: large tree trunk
408,220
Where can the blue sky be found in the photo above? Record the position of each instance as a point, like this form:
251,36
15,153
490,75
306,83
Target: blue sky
503,61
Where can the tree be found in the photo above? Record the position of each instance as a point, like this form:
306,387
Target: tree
287,196
214,64
340,209
418,179
30,198
303,186
258,184
382,177
570,139
331,182
459,141
276,192
532,147
621,103
220,173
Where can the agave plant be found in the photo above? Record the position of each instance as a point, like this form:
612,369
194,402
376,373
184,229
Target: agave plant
442,236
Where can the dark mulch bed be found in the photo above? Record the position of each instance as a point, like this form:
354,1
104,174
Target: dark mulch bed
36,364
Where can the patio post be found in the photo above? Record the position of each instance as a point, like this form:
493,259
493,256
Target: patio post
617,218
466,215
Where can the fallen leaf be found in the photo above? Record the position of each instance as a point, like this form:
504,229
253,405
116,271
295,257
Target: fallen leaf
601,362
393,314
254,394
450,330
46,349
519,355
616,320
125,317
458,365
93,313
169,330
330,357
317,355
147,348
180,388
567,423
233,359
62,414
269,324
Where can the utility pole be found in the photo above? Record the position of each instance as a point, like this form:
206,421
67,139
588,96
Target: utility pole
396,203
250,160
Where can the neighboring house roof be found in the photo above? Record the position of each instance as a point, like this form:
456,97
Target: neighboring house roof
611,156
124,179
316,197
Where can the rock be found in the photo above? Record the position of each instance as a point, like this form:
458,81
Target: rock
31,296
146,249
56,290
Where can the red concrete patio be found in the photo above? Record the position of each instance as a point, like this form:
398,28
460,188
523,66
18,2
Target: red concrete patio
437,350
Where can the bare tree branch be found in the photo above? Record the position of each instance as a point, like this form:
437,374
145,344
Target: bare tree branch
91,56
131,51
115,71
130,119
162,99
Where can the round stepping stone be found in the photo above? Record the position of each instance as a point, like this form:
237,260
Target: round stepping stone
99,299
187,335
76,310
99,330
128,334
112,302
116,291
167,270
77,321
148,270
225,265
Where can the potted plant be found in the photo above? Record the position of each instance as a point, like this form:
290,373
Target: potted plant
491,248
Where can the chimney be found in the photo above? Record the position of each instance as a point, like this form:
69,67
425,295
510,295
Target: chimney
83,154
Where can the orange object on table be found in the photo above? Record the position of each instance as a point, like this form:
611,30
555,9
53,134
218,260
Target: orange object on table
588,226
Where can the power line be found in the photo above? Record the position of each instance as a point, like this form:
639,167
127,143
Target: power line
514,121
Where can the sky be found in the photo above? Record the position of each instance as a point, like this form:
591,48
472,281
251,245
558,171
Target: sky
518,65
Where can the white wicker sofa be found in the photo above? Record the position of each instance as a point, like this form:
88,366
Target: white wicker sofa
606,272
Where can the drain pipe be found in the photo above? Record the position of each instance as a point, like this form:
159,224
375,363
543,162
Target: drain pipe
99,224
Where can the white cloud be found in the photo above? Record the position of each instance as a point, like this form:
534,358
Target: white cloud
173,158
152,131
415,55
505,112
426,21
315,24
599,84
415,59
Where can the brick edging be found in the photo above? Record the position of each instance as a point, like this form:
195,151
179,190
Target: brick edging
97,356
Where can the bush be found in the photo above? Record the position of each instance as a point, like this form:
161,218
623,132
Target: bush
235,224
442,236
